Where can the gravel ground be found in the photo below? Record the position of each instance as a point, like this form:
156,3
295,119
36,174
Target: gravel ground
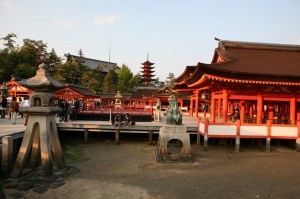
129,170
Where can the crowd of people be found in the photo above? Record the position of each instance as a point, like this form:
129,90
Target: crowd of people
10,107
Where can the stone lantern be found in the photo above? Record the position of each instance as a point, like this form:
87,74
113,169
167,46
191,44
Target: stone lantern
4,90
40,140
118,100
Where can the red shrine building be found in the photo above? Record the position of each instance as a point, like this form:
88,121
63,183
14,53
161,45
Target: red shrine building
146,73
258,81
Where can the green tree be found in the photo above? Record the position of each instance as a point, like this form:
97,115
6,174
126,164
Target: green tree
170,80
55,65
9,41
34,52
90,80
124,77
135,81
110,82
24,71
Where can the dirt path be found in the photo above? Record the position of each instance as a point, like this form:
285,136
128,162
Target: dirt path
129,170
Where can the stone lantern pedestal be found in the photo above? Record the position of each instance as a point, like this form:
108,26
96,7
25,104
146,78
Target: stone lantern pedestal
40,141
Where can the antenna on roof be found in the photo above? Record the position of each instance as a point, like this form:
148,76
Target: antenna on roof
109,51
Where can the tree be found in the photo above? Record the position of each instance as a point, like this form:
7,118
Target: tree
34,52
90,80
110,82
74,69
170,80
55,65
9,41
135,81
24,71
124,77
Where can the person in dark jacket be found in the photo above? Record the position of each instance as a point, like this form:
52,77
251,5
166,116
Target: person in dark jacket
4,107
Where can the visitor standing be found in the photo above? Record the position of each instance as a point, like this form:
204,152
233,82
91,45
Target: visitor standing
14,109
4,107
75,109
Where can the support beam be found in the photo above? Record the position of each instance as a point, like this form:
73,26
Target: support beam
298,137
219,107
7,154
150,137
86,136
197,104
293,110
268,139
117,137
225,106
259,109
205,134
198,139
237,138
213,108
191,113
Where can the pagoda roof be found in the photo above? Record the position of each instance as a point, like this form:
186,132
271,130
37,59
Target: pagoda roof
147,67
147,63
248,62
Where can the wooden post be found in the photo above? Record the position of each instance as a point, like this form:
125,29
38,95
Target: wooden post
219,108
293,110
197,104
205,134
191,106
259,109
198,134
268,139
225,105
213,108
150,137
117,137
7,154
237,138
242,112
86,136
198,139
298,137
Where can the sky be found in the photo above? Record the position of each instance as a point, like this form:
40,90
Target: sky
173,33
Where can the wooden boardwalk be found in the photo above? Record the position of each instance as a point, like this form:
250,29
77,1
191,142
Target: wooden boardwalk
17,130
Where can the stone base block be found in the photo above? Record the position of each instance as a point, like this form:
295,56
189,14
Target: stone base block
160,158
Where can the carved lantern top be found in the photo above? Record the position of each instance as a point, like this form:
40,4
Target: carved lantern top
42,80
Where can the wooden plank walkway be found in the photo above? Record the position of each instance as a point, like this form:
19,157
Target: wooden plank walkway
17,130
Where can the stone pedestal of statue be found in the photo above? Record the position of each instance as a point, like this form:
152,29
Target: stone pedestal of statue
179,134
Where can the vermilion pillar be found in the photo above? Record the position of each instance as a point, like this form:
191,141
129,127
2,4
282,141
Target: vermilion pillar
219,107
225,105
213,108
293,110
197,103
242,112
251,110
192,106
259,109
271,111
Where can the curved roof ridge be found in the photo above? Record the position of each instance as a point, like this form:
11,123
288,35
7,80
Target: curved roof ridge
223,44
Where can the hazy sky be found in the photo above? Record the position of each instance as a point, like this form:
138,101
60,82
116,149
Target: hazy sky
175,33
